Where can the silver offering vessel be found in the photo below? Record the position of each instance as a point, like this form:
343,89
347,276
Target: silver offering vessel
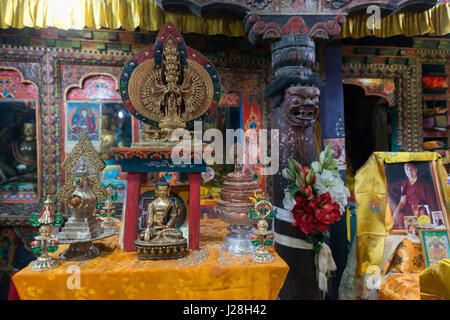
233,207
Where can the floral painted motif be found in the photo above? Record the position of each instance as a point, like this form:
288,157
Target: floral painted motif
12,86
374,206
96,87
376,86
229,99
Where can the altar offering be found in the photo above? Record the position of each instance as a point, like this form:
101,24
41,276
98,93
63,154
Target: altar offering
80,193
161,240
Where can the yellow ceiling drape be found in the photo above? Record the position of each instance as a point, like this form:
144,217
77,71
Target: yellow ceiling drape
110,14
435,22
145,14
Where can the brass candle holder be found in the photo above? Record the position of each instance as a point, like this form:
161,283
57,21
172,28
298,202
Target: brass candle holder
46,241
262,236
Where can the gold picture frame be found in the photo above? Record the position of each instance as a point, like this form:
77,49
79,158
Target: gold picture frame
432,190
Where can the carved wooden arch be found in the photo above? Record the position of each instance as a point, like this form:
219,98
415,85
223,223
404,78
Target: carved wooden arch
408,86
80,83
369,92
38,129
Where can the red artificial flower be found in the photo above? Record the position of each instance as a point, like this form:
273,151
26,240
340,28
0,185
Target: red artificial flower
307,192
325,210
303,215
320,226
316,212
304,171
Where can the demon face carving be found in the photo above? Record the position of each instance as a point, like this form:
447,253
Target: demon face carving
301,105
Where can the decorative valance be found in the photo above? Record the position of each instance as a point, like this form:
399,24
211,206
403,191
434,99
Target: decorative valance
109,14
434,22
145,14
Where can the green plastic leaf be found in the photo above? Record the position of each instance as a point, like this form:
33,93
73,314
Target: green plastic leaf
334,164
52,248
326,163
34,220
298,167
59,220
268,242
255,243
288,174
327,150
300,181
36,250
322,158
272,215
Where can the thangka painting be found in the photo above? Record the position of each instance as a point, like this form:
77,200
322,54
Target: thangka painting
435,246
82,117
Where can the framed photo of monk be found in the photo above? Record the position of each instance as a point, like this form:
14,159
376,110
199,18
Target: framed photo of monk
412,190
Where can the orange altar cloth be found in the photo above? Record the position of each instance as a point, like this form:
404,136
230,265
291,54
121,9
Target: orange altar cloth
206,274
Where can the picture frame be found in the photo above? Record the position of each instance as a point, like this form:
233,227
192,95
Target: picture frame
435,245
413,189
410,223
82,117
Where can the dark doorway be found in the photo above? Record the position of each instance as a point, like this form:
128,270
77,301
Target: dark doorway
367,125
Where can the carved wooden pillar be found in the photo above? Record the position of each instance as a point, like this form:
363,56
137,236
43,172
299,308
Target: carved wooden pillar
294,101
295,104
294,96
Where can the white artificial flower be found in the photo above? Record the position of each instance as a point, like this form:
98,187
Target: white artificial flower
317,167
288,200
330,181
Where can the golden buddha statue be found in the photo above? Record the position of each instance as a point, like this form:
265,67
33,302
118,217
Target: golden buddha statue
161,239
25,153
108,139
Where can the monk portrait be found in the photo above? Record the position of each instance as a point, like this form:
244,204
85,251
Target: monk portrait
412,194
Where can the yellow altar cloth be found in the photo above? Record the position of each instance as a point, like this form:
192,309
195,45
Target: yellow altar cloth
373,214
205,274
435,281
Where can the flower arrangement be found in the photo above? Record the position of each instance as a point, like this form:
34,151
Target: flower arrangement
316,196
